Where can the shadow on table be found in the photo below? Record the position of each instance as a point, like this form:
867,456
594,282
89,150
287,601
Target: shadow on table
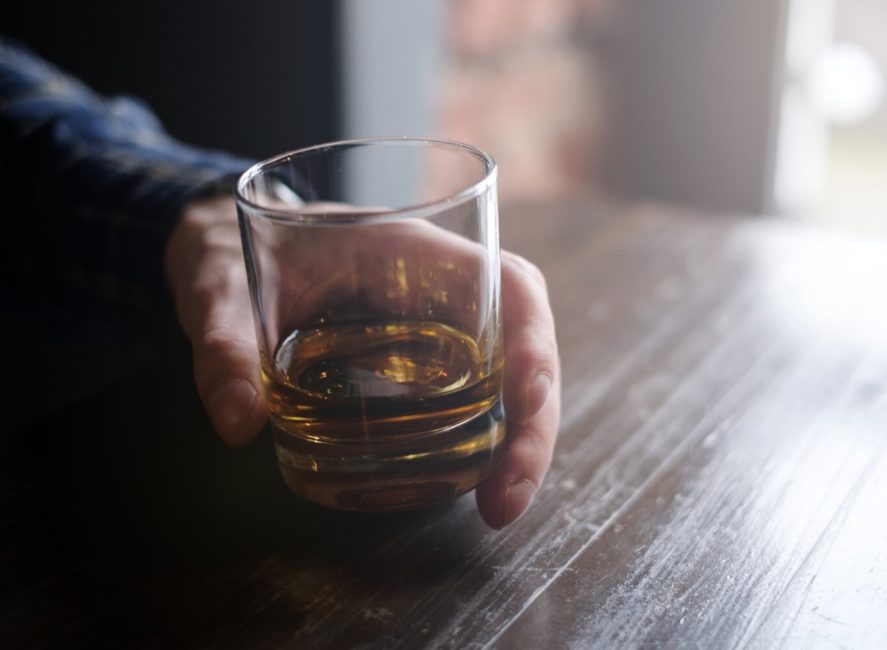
126,507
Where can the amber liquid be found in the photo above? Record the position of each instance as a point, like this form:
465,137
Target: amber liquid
383,416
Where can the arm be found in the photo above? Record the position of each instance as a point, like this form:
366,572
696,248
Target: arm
106,204
95,187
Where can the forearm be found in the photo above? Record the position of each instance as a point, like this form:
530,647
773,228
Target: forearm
95,187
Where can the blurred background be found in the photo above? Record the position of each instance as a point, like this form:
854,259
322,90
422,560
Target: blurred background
765,106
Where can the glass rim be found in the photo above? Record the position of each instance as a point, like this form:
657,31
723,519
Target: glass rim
366,215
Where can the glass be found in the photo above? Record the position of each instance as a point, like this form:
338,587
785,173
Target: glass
373,269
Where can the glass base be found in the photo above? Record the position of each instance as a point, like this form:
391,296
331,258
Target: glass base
392,476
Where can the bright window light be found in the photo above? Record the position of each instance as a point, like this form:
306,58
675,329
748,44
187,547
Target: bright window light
845,83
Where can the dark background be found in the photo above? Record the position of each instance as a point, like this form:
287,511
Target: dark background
253,78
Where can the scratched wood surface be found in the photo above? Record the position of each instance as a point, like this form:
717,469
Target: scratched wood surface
720,478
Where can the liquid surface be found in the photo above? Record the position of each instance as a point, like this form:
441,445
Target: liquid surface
384,415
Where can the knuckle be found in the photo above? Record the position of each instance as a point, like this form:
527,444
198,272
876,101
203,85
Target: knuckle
217,291
536,350
222,237
219,342
222,276
533,450
526,266
541,443
212,359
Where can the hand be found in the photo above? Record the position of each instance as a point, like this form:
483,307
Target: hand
205,268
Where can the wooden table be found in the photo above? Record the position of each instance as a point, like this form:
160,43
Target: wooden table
720,478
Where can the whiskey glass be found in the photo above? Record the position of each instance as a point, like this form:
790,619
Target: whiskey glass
374,279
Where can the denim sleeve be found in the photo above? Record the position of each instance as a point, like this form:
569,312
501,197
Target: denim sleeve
92,187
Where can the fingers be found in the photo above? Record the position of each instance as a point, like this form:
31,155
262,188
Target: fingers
531,392
531,360
227,373
506,495
206,271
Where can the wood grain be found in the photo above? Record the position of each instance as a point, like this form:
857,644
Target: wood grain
719,480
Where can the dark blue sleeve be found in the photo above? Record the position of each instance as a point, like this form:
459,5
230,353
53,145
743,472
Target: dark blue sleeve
93,187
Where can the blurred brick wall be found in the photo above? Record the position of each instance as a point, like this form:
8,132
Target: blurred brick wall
522,83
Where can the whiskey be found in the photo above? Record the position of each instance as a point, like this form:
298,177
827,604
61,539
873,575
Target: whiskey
383,416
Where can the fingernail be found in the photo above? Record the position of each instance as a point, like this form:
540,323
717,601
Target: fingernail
517,499
537,394
230,406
